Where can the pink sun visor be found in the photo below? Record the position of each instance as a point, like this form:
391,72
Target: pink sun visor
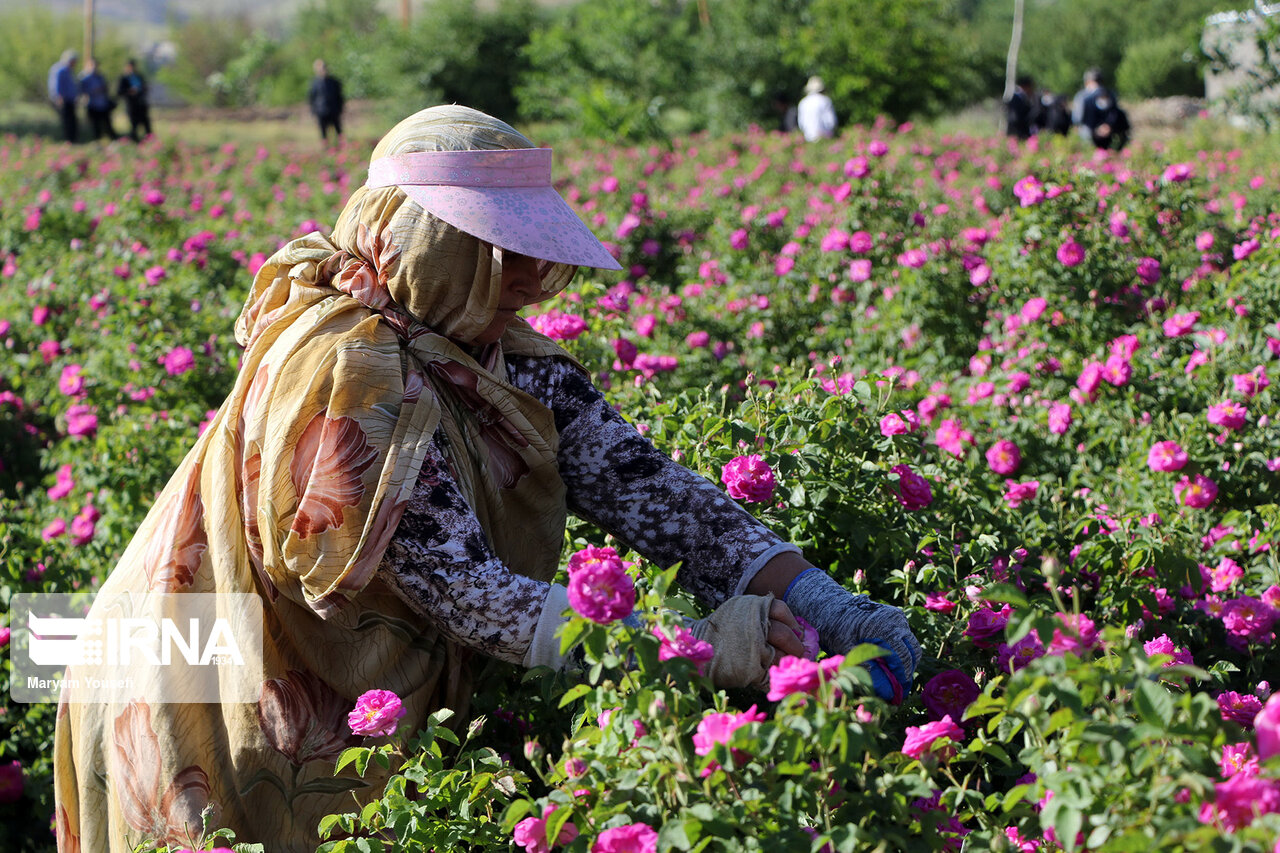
503,197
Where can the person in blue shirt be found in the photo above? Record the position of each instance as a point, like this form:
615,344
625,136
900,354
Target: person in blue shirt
64,91
98,102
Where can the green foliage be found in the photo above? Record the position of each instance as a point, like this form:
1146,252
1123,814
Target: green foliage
1160,67
610,66
901,58
32,38
207,48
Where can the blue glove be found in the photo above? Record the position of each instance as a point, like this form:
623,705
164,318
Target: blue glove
844,620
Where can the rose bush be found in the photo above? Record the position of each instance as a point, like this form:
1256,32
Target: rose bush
1023,394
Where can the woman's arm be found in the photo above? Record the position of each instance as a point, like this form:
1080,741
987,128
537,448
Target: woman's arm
617,479
439,563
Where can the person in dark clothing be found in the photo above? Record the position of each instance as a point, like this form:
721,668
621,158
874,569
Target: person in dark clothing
1096,112
786,111
132,89
325,97
1020,109
64,92
98,102
1054,114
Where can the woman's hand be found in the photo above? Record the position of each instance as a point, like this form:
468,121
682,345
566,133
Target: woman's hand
784,631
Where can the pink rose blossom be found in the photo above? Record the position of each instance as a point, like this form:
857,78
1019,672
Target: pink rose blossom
1070,253
985,624
949,693
952,437
912,490
683,645
1166,456
1266,728
1059,418
558,325
748,478
1013,658
1180,324
1196,493
1003,457
599,587
1239,708
1240,800
63,486
71,382
1228,414
718,727
178,361
1149,270
1016,494
1077,635
531,833
924,740
376,714
1249,619
1162,645
1237,758
938,602
793,675
11,781
632,838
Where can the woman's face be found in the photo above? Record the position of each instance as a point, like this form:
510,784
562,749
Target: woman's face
521,286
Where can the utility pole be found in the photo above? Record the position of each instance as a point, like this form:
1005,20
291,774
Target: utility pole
1011,64
404,13
88,29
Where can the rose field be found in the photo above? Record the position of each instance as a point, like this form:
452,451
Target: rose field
1023,393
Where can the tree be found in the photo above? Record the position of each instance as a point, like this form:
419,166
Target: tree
897,57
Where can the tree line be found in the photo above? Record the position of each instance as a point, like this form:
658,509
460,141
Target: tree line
644,68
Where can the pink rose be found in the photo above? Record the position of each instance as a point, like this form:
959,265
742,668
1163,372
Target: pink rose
599,587
984,624
632,838
894,424
809,637
1149,270
1239,708
1070,253
376,714
1180,324
748,478
922,740
1012,658
683,645
1016,494
1059,418
912,490
949,693
793,675
1077,635
1196,493
531,833
718,727
1228,414
11,782
1266,728
1241,799
1166,456
1003,457
559,326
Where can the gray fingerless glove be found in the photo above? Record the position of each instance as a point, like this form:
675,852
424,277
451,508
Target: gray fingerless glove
843,620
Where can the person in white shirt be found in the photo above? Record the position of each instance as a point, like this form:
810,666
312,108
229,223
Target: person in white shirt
815,113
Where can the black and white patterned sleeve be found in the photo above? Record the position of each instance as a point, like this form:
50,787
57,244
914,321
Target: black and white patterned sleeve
440,563
618,480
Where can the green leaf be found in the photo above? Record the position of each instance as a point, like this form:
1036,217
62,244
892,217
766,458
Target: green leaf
1005,593
1067,823
675,834
1154,703
573,694
556,821
515,813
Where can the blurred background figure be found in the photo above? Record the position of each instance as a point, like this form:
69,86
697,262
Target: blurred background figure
1020,109
63,92
786,112
1054,115
815,114
325,97
1097,114
132,89
98,101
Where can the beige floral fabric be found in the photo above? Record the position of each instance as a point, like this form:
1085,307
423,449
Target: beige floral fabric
294,491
